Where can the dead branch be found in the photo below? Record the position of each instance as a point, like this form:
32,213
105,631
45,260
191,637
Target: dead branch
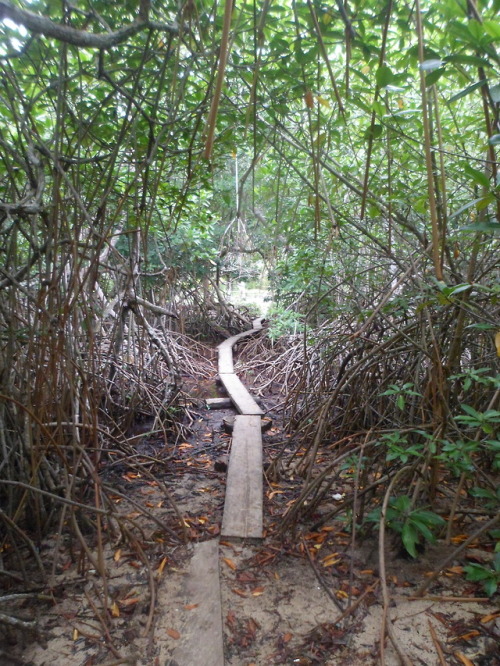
40,25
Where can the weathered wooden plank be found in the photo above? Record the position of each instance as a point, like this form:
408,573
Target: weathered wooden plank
226,356
241,398
243,505
226,348
201,640
219,403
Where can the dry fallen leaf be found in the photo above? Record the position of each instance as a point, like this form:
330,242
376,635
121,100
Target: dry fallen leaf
489,618
117,555
467,636
162,566
462,658
229,563
257,591
272,493
287,638
135,564
115,611
173,633
458,538
190,606
240,593
130,601
330,560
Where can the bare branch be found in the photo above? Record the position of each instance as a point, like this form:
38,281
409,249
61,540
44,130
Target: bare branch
44,26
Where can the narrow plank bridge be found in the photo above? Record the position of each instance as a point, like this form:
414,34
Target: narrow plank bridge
242,519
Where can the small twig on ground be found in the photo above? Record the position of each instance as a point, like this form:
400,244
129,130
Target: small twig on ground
320,578
437,644
460,600
102,621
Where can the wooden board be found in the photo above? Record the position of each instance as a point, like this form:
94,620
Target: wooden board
226,356
218,403
226,348
243,505
201,639
239,395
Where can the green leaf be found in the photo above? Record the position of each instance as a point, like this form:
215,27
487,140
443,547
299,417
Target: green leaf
492,28
463,59
373,132
482,492
471,411
490,587
465,207
434,76
484,202
476,572
409,537
466,91
477,176
423,528
384,76
458,289
488,227
428,517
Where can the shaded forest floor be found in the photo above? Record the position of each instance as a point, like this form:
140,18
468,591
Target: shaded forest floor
310,598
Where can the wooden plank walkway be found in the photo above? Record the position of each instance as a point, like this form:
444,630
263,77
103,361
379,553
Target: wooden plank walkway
239,395
237,392
201,640
243,506
226,348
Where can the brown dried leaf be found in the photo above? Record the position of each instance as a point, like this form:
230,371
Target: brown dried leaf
162,566
130,601
489,618
231,620
462,658
229,563
173,633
